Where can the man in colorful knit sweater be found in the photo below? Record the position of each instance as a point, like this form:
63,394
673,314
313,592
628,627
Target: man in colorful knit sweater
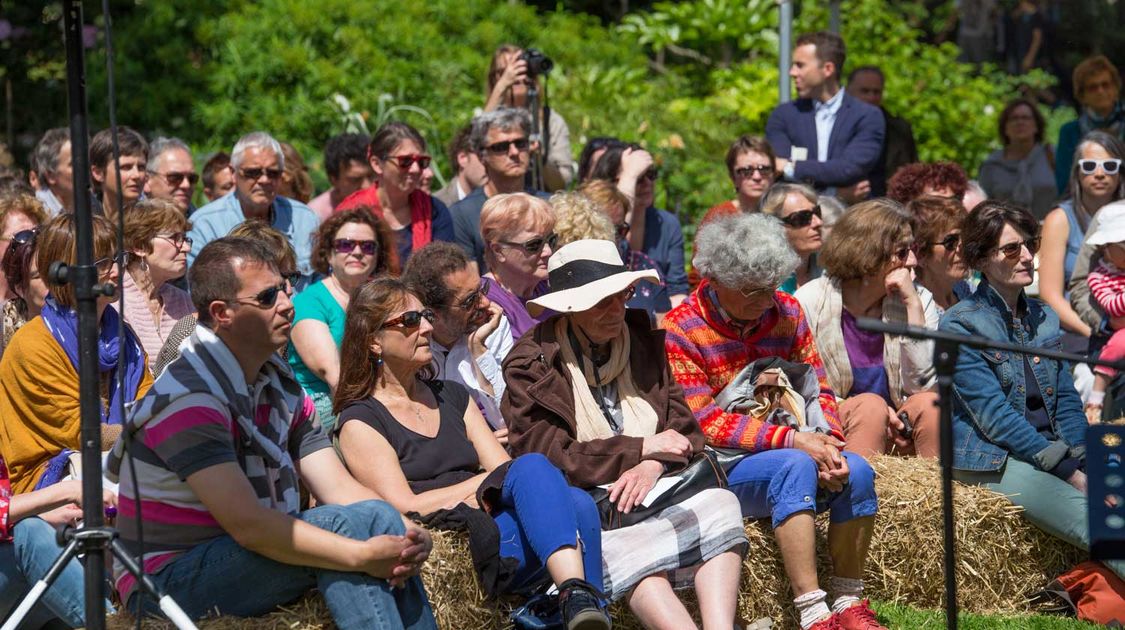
733,318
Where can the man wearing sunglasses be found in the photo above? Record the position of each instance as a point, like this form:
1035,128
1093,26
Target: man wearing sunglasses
501,139
171,173
826,137
228,437
257,164
471,334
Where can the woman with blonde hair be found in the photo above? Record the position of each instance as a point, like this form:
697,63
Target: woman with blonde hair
519,236
798,207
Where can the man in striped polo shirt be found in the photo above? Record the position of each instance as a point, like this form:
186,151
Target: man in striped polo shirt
220,443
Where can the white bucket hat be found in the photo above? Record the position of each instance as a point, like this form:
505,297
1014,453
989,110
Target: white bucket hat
584,273
1111,225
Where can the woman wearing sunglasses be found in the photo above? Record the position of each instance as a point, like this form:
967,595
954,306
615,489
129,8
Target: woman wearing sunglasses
798,207
936,222
398,156
18,213
28,290
39,369
393,410
519,236
1018,423
1095,180
869,268
351,247
158,245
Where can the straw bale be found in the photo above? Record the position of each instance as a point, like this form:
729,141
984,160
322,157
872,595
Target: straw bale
1001,560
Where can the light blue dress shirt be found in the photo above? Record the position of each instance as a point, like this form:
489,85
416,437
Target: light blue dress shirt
290,217
825,115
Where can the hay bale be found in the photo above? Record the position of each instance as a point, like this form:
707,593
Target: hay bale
1001,560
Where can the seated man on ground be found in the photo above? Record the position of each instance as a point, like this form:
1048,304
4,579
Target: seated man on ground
222,444
735,321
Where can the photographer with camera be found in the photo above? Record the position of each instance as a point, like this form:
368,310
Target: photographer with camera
511,77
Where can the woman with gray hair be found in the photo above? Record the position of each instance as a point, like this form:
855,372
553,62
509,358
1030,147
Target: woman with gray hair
737,328
798,207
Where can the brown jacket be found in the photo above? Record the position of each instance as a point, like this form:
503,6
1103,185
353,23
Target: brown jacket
538,405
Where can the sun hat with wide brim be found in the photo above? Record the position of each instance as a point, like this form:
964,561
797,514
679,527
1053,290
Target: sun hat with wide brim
584,273
1111,225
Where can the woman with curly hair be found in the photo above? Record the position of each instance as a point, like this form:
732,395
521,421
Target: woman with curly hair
935,179
351,247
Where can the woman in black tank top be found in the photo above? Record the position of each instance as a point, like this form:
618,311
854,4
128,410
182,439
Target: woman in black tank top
446,455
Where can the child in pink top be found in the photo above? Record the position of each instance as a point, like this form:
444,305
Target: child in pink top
1107,285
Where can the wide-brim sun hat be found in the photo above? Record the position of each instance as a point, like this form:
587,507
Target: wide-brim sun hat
584,273
1111,225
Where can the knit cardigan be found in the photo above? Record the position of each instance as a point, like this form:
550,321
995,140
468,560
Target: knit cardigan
707,350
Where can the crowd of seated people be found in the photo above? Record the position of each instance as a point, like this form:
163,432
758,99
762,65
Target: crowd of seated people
311,390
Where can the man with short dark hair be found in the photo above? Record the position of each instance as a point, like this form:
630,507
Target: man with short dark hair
866,83
218,179
468,170
51,162
132,158
826,137
345,162
222,445
171,173
471,335
501,140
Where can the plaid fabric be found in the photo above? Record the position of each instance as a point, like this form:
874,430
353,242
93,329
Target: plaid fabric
675,541
707,349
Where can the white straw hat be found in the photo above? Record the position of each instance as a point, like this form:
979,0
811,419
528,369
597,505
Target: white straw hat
1111,225
584,273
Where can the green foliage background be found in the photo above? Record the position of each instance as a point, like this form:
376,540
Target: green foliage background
683,78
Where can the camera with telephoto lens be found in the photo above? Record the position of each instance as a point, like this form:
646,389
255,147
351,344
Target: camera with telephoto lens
537,62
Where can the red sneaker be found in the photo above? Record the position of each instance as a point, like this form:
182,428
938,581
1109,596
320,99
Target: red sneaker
830,623
859,617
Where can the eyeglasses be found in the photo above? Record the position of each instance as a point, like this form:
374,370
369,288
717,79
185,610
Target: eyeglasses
256,173
266,298
756,294
652,174
535,245
1110,166
622,230
179,239
292,277
950,242
761,169
410,319
471,300
504,146
801,218
348,245
1013,250
405,161
902,254
174,178
624,295
23,237
104,265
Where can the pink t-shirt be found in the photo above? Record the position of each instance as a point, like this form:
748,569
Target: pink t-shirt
322,205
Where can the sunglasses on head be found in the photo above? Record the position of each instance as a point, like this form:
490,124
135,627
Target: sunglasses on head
1013,250
535,246
410,319
1110,166
174,179
504,146
761,169
348,245
256,173
405,161
801,218
268,297
950,242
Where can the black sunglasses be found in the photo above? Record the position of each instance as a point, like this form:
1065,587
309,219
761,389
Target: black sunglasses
1013,250
652,174
502,147
471,300
410,319
174,179
535,245
23,237
256,173
348,245
950,242
268,297
802,218
761,169
292,277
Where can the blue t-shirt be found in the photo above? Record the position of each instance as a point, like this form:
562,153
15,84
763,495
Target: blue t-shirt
290,217
664,244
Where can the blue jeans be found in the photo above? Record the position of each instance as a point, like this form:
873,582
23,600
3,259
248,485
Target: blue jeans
24,561
781,482
222,576
540,514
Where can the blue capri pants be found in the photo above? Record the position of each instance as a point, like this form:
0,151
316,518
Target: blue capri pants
782,482
540,514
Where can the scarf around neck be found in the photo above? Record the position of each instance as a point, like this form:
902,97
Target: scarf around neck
590,422
1114,123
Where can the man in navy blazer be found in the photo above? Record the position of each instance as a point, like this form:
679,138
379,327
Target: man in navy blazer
825,137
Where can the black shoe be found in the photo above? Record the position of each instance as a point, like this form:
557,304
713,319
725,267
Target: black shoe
581,606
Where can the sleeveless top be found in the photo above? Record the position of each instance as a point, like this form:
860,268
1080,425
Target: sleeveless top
1074,240
427,463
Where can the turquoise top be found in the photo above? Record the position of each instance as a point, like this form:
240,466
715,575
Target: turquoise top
315,302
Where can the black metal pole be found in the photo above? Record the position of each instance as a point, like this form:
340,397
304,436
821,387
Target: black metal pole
83,277
945,362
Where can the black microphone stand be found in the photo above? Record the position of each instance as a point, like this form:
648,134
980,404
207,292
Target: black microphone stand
946,348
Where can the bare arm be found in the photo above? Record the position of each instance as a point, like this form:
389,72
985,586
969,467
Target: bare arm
1052,254
39,502
314,344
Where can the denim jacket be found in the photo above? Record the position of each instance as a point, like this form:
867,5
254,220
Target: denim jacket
990,398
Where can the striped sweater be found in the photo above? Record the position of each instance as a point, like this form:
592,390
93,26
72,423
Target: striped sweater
1107,285
707,349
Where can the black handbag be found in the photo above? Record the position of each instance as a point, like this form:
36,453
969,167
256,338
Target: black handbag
702,473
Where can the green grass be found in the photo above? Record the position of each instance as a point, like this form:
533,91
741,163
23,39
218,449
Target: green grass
896,616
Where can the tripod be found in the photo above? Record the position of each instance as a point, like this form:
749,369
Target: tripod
92,541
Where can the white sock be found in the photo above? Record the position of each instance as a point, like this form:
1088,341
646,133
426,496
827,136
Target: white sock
848,591
812,608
